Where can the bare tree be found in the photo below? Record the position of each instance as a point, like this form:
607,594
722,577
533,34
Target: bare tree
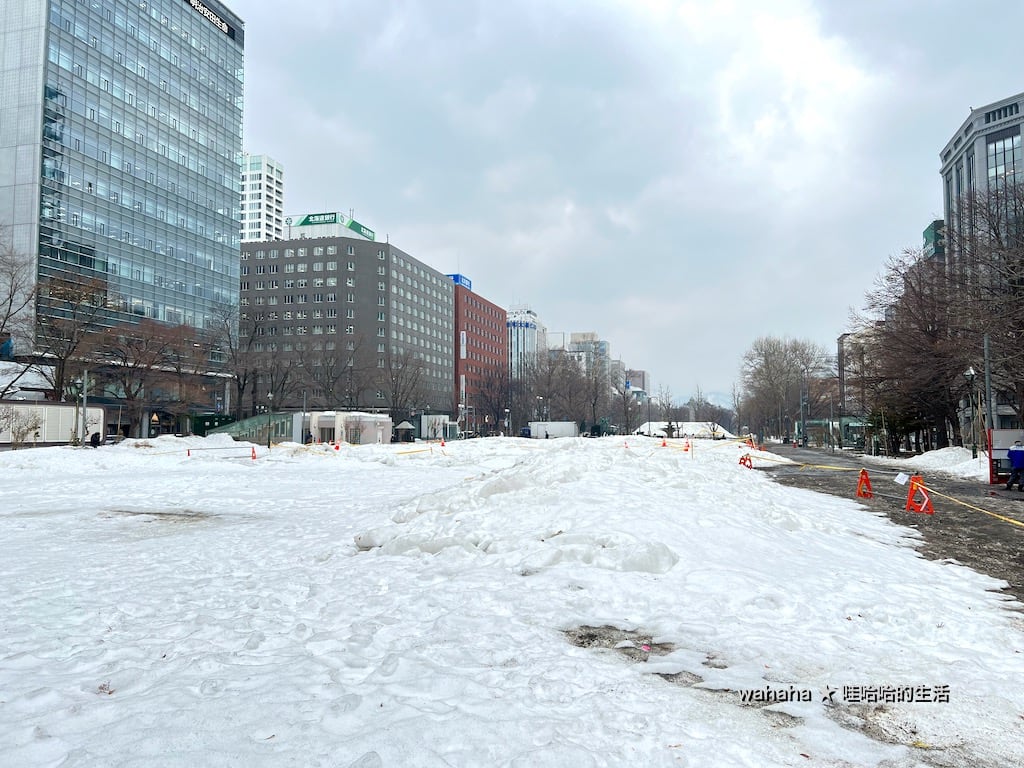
66,330
914,379
628,407
237,338
135,361
493,396
17,292
405,384
775,373
985,286
340,377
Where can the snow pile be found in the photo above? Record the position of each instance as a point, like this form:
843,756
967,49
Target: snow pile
956,462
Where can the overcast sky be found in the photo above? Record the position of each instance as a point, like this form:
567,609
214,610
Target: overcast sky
678,177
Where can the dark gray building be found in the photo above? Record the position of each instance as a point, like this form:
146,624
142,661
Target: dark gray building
120,138
983,157
343,321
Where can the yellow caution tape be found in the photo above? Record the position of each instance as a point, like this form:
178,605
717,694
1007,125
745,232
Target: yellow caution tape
976,509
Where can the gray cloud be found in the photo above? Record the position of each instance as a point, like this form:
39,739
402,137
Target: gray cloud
680,178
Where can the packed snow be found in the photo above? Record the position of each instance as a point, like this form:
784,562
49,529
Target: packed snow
192,602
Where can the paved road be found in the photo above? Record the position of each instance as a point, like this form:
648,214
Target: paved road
959,530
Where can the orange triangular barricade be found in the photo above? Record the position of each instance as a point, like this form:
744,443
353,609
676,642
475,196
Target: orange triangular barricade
864,486
925,504
746,461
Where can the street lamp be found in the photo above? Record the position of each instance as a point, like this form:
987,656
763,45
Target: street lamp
75,390
970,375
270,409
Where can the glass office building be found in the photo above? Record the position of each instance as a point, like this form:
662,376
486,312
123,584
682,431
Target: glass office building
120,150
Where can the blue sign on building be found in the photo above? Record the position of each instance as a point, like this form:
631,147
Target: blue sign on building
462,280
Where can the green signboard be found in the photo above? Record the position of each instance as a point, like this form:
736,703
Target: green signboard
313,219
355,226
316,218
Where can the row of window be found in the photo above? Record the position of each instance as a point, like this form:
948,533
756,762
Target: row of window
317,250
1003,112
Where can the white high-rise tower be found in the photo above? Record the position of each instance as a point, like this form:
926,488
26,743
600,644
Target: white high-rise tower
262,204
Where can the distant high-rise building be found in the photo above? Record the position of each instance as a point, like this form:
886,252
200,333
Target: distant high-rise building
120,133
527,337
262,203
593,354
481,360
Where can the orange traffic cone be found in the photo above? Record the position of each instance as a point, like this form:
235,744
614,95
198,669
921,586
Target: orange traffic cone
442,442
664,443
864,486
254,453
925,505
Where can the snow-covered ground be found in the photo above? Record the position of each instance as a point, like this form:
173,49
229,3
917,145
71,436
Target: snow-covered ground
493,602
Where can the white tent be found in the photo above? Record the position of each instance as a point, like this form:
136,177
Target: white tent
704,429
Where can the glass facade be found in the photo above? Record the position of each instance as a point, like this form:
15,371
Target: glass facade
1002,151
139,154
